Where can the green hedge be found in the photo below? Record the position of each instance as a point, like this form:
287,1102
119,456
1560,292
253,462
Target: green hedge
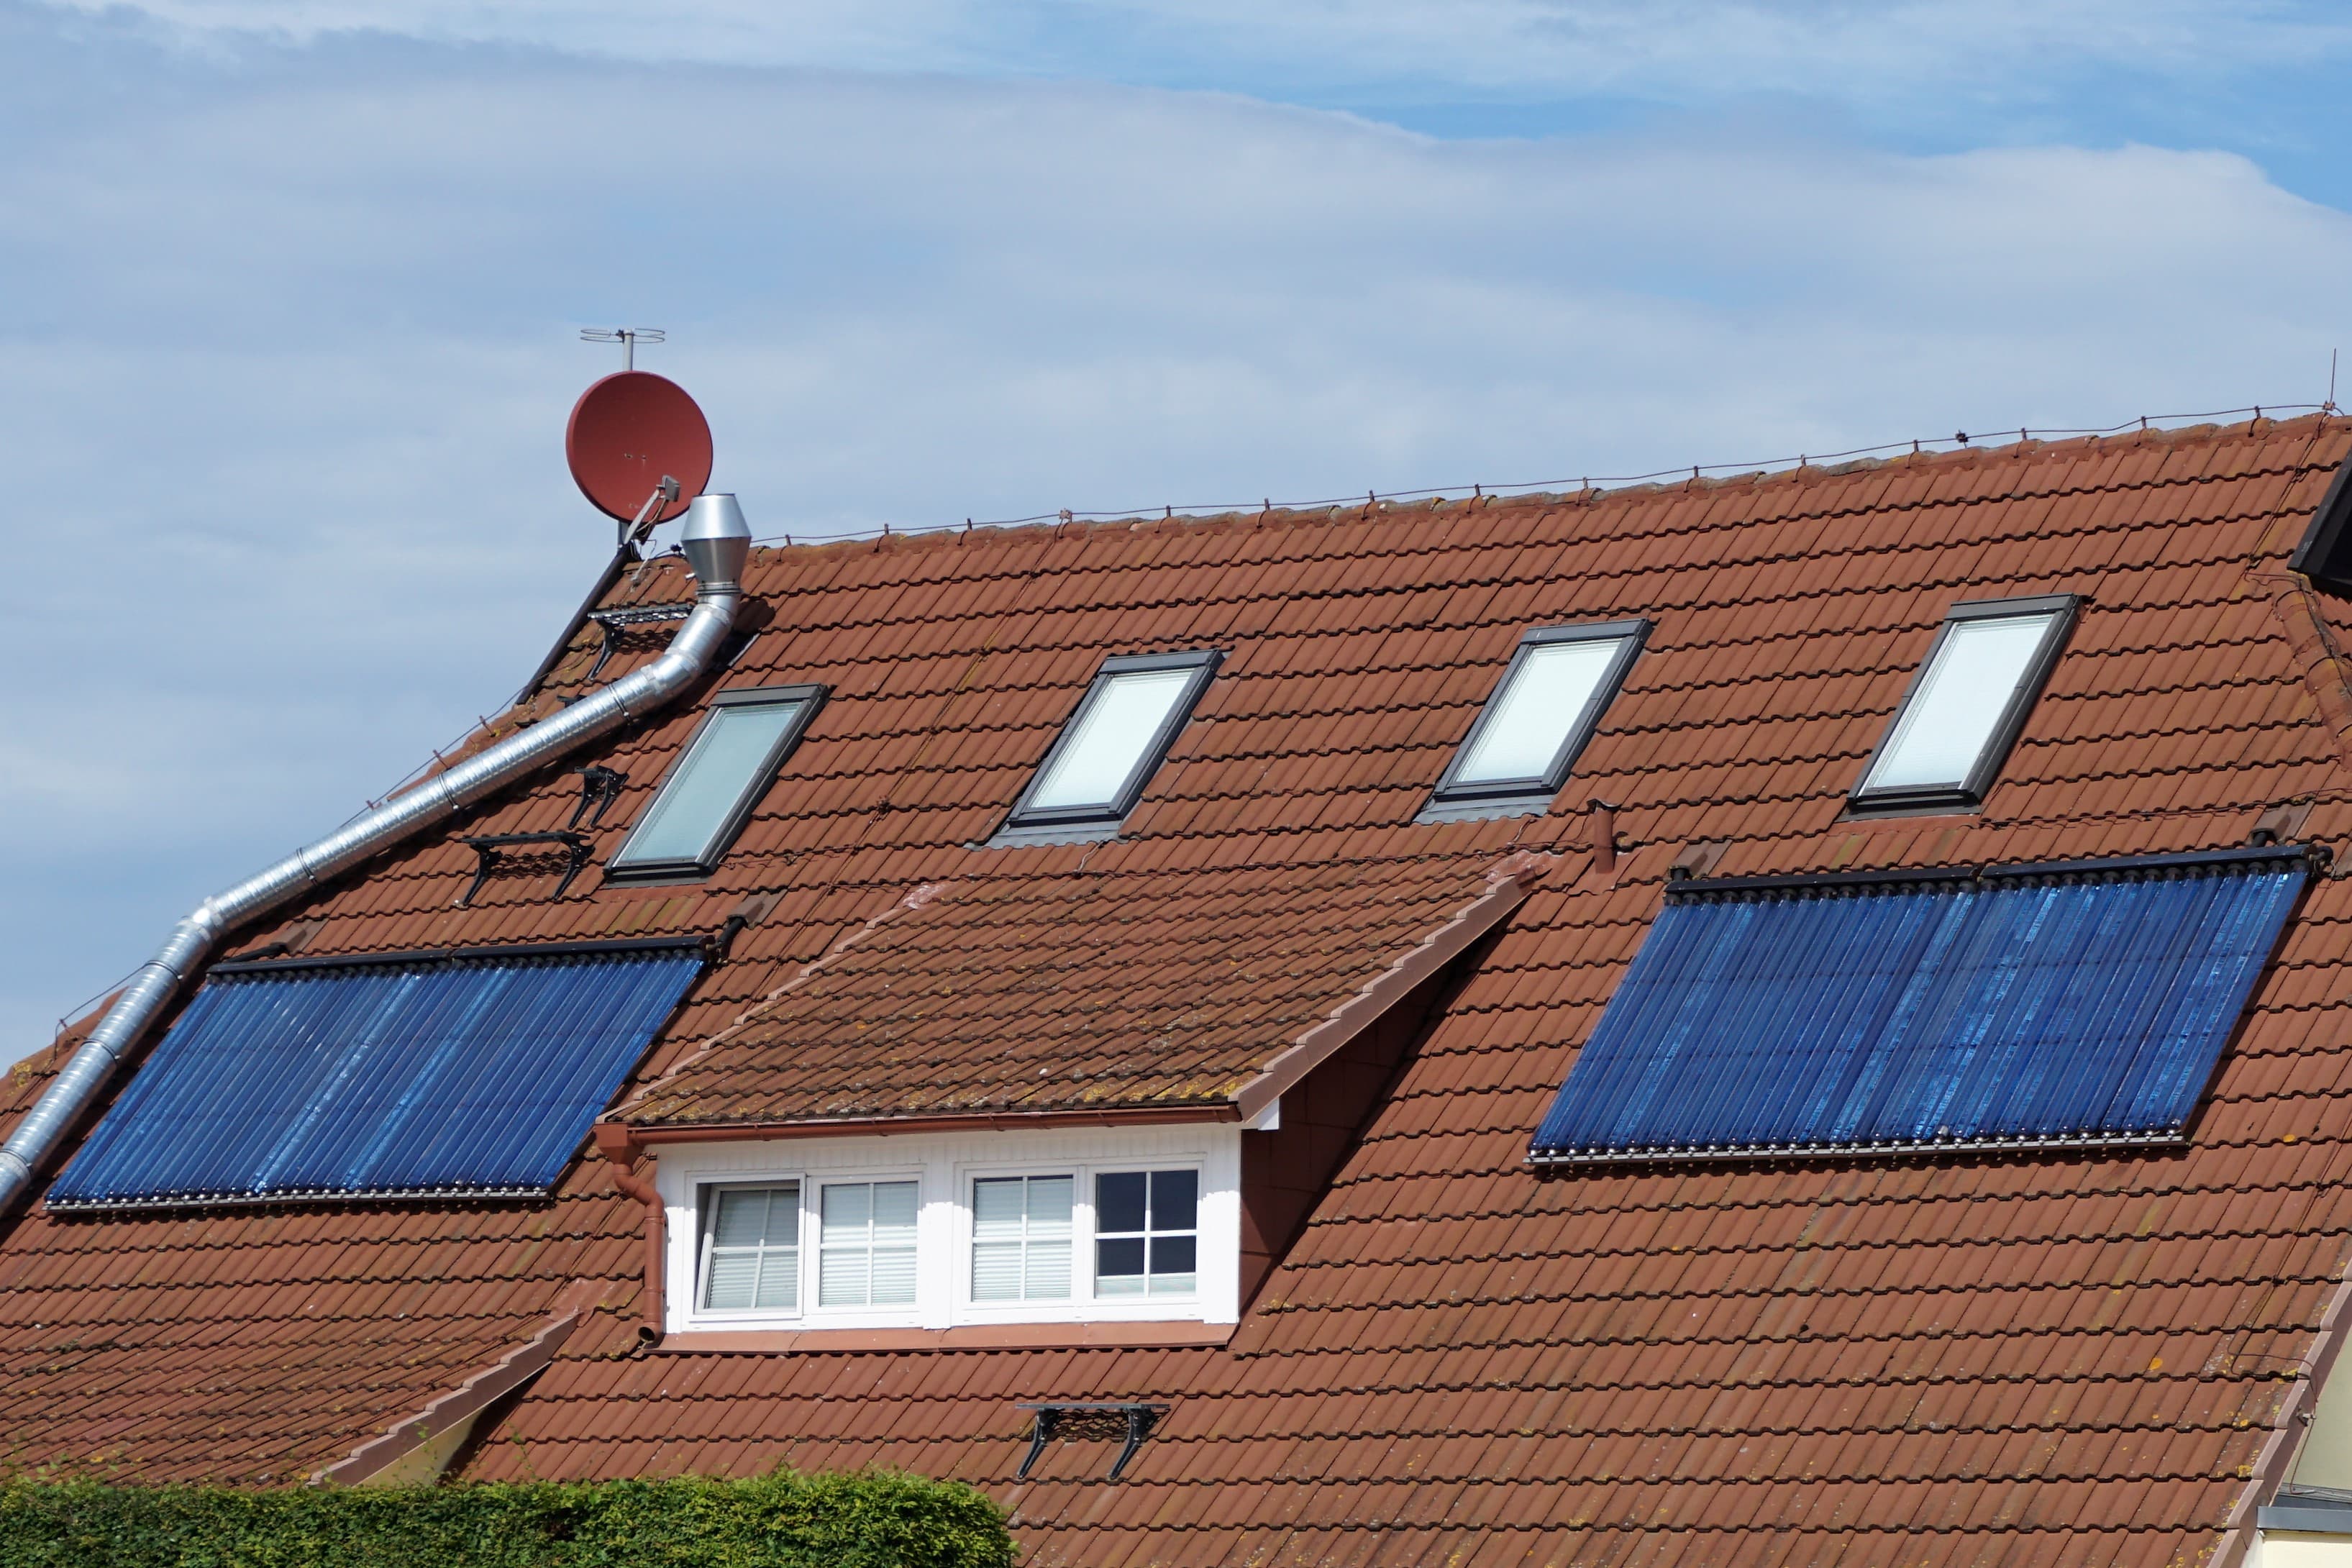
873,1520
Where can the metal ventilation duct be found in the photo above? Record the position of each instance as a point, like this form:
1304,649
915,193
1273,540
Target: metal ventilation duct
717,544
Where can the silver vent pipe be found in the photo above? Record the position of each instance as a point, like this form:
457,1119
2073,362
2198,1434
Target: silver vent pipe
717,544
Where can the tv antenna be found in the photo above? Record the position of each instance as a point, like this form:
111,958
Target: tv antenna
628,337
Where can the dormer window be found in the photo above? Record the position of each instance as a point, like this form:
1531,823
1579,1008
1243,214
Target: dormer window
1524,742
955,1230
709,793
1966,704
1112,745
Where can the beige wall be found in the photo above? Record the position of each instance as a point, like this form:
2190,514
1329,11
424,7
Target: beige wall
2327,1456
2293,1549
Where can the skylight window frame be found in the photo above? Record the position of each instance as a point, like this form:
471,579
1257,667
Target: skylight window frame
1024,817
1453,798
2001,740
811,697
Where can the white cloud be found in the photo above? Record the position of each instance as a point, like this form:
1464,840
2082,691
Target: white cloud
1673,50
295,351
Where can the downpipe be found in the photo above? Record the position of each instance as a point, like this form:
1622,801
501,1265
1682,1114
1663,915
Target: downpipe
717,543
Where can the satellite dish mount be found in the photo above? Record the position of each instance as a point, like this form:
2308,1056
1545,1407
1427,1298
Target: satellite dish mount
657,506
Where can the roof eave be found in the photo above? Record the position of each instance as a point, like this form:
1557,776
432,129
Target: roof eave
919,1123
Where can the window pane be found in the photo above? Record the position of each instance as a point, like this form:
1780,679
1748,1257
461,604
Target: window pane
894,1277
1118,1202
842,1278
742,1219
727,759
1123,1257
1049,1271
848,1210
996,1208
1175,1200
1175,1254
1528,721
1942,731
996,1271
1050,1202
1120,717
780,1278
732,1282
754,1249
894,1214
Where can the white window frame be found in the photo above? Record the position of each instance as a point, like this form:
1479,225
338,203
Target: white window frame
813,1311
944,1166
1083,1304
1094,1233
968,1224
705,1202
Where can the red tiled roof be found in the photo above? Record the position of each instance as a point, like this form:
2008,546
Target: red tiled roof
2043,1359
1087,990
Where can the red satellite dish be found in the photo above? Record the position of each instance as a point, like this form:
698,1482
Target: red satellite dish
626,432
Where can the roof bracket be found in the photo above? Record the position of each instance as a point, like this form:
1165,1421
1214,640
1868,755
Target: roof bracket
615,625
600,786
2279,824
493,847
1090,1419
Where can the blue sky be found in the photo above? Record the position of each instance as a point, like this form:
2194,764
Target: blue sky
294,293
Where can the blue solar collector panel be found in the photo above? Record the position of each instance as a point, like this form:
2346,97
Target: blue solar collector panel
2034,1006
429,1074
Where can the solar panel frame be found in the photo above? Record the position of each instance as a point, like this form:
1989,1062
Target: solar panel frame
2031,1006
436,1075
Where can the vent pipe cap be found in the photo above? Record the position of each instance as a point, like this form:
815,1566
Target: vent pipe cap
716,539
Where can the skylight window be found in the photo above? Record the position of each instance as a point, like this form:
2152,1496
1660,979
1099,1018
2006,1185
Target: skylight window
1966,704
1541,713
727,767
1114,742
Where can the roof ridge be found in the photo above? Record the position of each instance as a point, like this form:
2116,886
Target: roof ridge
1976,454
